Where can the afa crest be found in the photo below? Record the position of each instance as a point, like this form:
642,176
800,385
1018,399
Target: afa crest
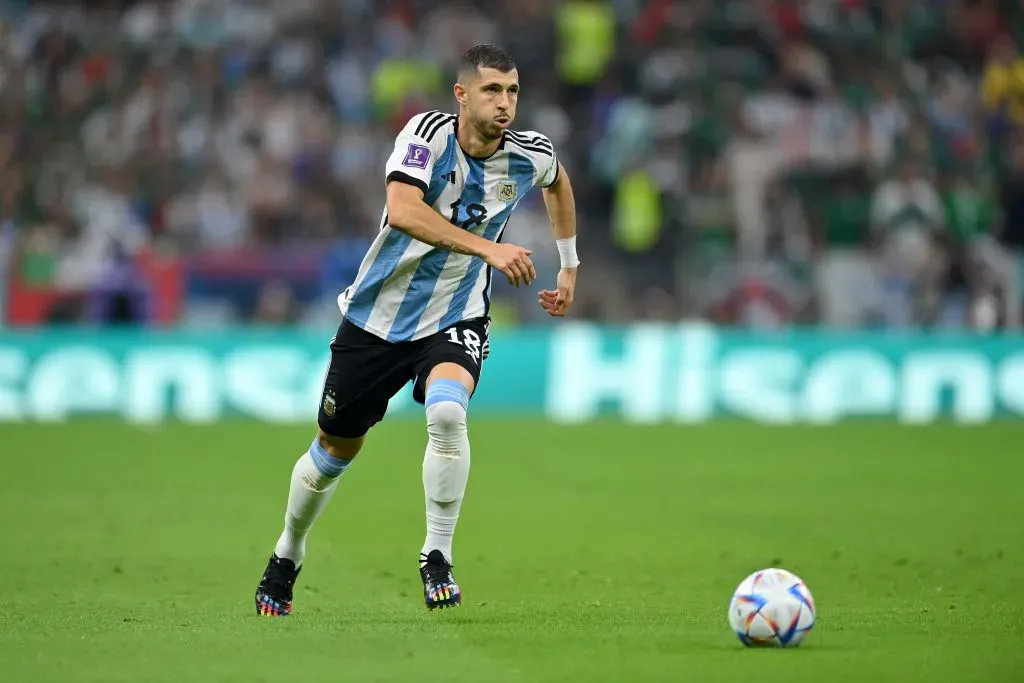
506,190
329,405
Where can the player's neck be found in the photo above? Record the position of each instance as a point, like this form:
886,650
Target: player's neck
472,143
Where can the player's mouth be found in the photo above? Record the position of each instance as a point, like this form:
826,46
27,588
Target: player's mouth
503,121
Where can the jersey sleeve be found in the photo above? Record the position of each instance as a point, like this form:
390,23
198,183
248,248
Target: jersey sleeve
416,150
545,161
541,153
547,171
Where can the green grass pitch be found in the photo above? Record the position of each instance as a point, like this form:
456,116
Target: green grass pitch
603,552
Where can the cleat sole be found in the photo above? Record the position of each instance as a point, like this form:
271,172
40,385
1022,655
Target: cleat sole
265,607
443,605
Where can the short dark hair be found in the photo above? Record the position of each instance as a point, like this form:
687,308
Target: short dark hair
484,57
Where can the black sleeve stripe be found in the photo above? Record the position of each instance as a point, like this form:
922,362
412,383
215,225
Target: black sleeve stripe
437,126
407,179
538,145
538,140
525,136
529,143
531,148
425,122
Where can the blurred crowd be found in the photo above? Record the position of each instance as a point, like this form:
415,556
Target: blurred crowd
761,163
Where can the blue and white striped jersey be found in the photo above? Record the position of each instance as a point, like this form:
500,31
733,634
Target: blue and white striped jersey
407,289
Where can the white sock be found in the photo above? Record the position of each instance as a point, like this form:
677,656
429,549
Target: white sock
314,480
445,463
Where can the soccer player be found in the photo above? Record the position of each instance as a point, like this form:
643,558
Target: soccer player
418,309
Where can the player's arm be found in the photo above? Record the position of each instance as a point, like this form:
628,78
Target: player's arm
409,172
409,213
561,206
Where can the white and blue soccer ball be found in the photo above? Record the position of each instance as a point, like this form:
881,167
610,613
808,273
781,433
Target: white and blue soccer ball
772,607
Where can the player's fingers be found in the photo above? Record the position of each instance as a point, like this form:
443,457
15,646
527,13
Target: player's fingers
548,301
517,273
548,295
510,275
533,270
526,269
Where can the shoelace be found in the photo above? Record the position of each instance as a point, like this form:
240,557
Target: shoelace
279,582
436,572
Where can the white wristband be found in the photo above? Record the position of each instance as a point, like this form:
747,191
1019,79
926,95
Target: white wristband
567,252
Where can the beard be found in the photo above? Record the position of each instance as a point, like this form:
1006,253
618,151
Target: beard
488,129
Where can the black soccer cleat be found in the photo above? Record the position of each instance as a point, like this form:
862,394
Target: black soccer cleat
274,594
439,586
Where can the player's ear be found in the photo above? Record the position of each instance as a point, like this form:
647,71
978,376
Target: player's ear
460,93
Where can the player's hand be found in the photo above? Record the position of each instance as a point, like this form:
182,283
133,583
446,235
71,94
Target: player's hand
558,302
514,261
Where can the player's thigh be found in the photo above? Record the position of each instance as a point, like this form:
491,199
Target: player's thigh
455,353
451,371
365,372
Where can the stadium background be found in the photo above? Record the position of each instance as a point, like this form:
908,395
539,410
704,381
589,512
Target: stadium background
733,162
214,168
790,211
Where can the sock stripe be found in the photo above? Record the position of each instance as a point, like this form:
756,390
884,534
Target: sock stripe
444,394
328,465
447,390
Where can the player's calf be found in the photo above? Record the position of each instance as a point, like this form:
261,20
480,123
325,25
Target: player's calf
314,481
445,475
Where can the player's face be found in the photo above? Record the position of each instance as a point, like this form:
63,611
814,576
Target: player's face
491,100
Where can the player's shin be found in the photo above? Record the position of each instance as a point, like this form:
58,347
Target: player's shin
445,463
314,480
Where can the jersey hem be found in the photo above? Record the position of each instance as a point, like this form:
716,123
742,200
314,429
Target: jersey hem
366,327
383,336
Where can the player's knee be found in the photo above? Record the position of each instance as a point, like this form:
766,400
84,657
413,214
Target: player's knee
446,464
340,447
446,420
446,403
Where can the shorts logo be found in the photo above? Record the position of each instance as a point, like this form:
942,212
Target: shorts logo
506,190
417,156
329,406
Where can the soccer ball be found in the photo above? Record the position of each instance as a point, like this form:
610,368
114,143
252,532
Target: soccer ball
772,607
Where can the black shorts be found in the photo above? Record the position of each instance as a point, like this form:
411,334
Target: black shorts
366,371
